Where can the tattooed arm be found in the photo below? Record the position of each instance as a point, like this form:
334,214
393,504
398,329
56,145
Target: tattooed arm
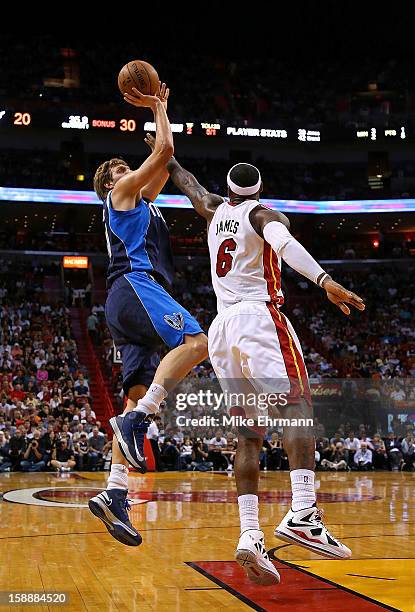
204,203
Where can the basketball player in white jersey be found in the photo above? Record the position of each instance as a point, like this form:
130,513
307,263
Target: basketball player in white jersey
253,345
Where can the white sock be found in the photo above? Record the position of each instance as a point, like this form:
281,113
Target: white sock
302,486
248,512
150,403
118,478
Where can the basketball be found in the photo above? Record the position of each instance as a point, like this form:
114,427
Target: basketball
139,74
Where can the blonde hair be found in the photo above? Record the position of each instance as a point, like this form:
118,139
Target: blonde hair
103,175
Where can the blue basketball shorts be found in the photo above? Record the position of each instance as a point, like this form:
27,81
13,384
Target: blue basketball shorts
141,317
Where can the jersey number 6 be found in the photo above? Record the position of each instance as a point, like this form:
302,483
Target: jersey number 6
225,258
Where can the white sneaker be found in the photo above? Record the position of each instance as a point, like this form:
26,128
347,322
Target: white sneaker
252,556
306,528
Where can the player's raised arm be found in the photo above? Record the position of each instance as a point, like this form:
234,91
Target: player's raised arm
270,227
204,203
129,186
159,179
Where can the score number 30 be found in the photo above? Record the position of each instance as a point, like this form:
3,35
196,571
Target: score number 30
127,125
22,119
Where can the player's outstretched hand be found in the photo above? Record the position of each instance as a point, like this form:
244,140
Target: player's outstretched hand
150,141
341,296
163,94
141,100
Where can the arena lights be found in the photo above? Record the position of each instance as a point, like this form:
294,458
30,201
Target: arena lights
373,133
57,196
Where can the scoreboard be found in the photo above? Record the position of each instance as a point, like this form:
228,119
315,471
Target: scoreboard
77,119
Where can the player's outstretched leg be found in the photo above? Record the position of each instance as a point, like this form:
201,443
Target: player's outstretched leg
131,427
250,552
303,523
111,506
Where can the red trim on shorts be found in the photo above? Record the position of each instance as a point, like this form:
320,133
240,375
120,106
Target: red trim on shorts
272,274
292,357
301,364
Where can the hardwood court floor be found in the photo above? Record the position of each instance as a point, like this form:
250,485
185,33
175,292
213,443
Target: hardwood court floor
189,523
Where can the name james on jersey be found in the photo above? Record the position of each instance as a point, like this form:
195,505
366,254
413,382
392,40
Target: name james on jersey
230,226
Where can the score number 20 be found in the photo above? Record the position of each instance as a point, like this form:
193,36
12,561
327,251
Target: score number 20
22,119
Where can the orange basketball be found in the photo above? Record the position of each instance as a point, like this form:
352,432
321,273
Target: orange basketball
138,74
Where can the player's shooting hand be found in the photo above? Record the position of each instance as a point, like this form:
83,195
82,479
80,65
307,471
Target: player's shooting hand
341,297
141,100
163,94
150,141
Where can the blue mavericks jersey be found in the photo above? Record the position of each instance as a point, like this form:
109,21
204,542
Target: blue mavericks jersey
138,241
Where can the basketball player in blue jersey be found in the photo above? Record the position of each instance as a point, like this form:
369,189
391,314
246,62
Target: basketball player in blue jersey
140,313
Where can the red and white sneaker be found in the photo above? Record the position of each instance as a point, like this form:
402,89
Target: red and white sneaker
252,556
306,528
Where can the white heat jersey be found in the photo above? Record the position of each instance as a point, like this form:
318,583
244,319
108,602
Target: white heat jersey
243,265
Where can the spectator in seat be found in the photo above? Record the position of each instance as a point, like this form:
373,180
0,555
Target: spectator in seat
380,459
47,444
363,458
54,402
63,459
352,444
365,440
5,462
274,452
65,433
199,456
101,428
17,447
216,445
86,411
18,393
44,394
32,457
337,460
336,439
324,448
393,450
81,388
186,454
230,450
170,454
42,375
96,443
82,452
31,401
408,452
